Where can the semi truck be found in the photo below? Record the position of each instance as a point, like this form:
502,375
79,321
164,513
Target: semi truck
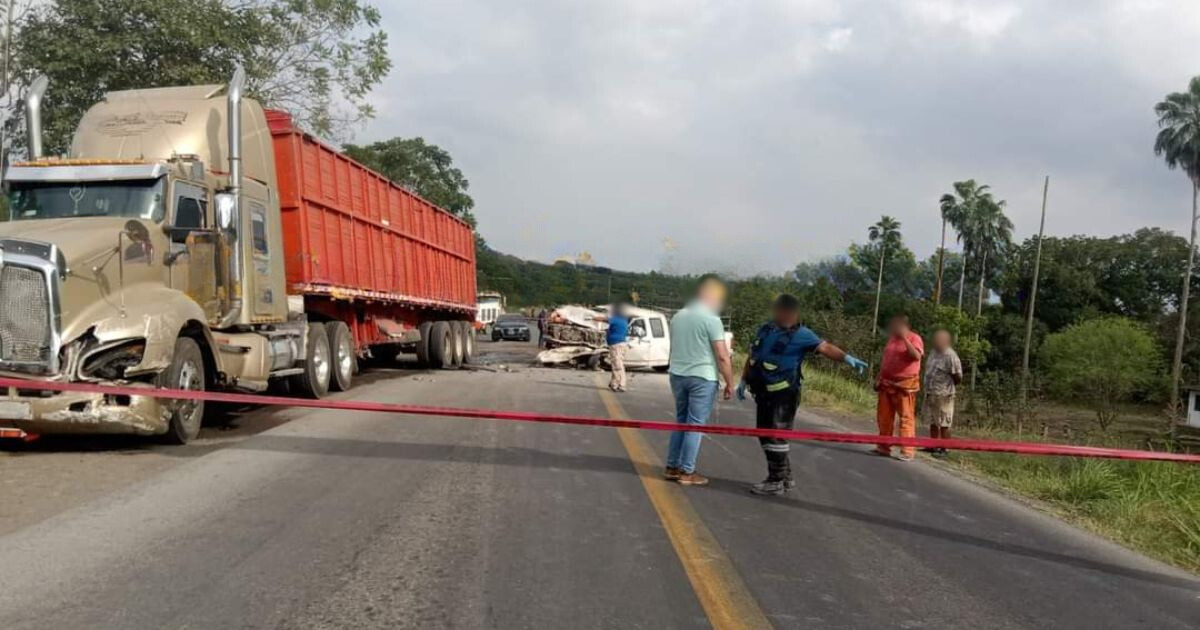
191,239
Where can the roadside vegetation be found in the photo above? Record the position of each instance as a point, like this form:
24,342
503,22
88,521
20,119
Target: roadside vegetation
1153,507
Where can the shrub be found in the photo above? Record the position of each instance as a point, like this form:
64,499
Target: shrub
1101,363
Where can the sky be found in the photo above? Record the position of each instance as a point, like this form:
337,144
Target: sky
745,137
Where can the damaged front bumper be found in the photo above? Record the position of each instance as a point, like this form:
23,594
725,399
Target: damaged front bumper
47,413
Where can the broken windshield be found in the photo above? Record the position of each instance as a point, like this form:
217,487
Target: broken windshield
138,199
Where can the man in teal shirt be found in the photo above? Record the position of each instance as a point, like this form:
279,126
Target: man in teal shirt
699,354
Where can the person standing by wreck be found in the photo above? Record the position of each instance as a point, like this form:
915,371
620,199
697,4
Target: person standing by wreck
617,338
699,358
898,383
542,319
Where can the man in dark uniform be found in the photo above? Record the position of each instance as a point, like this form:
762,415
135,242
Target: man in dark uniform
772,374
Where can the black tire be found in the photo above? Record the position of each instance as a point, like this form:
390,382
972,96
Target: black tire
468,342
441,346
661,368
314,381
426,330
185,372
593,362
458,343
342,356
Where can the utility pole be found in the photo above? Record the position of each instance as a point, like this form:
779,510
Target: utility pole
937,292
1037,269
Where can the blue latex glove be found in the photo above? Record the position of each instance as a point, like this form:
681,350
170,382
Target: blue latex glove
856,364
741,390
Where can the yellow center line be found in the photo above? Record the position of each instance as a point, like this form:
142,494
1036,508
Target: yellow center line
724,596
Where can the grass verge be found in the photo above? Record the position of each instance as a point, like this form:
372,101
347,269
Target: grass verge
833,391
1153,507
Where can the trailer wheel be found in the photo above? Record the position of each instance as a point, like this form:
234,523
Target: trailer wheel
341,350
185,372
423,354
458,343
441,346
468,337
314,381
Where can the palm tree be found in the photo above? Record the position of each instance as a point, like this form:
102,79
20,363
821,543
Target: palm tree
886,233
1178,142
990,236
987,236
957,210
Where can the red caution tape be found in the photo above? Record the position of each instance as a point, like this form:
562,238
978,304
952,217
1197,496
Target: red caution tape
995,446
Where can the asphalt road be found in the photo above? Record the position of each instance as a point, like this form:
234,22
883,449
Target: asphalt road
316,519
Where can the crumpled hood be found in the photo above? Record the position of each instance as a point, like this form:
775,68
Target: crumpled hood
91,293
80,240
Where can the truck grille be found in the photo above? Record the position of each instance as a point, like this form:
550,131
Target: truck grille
24,316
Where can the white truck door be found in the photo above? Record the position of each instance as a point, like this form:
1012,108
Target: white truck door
660,342
640,343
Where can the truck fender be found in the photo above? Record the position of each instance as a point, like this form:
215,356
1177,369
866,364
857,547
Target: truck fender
159,315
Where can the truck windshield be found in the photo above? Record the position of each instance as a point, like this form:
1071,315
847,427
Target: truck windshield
137,199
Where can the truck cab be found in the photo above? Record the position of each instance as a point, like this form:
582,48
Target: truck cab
149,256
649,339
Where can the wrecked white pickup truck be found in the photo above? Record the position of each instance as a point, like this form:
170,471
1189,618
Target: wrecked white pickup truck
574,336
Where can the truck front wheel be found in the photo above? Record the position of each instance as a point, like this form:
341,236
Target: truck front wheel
185,372
341,349
314,381
441,346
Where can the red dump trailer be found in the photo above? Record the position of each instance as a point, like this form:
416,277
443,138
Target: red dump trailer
359,249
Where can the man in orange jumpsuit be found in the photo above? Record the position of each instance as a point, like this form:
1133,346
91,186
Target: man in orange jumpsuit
898,383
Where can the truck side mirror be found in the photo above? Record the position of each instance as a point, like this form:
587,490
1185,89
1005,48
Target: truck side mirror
225,211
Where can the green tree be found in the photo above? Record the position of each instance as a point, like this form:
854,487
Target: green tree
955,208
927,317
988,239
961,210
884,235
1134,275
1178,142
841,272
952,207
1100,363
923,283
425,168
319,59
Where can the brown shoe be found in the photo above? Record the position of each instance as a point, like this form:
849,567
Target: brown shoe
693,479
672,474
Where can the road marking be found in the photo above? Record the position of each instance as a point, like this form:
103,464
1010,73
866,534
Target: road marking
724,596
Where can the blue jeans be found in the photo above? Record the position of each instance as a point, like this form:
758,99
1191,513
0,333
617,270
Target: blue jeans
694,400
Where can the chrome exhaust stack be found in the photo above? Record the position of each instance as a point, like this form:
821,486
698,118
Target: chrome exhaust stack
33,115
230,208
236,85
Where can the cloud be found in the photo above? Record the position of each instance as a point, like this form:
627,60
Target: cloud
757,135
838,39
981,20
